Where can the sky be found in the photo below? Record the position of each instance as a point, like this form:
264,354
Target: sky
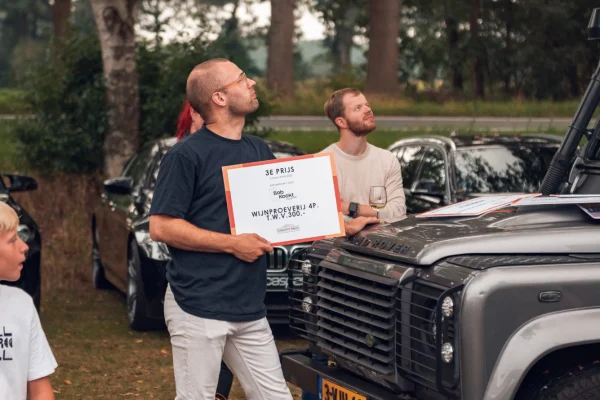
311,27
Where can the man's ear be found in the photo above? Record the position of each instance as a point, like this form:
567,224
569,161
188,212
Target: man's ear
219,98
341,122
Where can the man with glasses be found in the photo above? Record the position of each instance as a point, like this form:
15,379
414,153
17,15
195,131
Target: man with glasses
214,305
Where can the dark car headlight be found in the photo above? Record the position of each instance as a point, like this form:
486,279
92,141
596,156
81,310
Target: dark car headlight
24,232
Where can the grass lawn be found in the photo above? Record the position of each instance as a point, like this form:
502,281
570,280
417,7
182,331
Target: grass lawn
99,357
309,101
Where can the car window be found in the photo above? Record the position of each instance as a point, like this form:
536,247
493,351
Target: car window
410,158
136,169
492,169
432,176
397,151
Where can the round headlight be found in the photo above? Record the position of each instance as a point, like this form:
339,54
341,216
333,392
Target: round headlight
447,352
24,232
307,304
306,268
447,307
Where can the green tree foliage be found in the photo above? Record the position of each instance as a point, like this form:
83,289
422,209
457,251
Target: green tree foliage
21,21
69,104
67,96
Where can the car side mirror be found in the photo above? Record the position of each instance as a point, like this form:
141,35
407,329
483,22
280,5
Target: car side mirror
20,183
119,185
426,187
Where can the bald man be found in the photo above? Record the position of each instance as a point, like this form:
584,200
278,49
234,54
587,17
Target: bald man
214,304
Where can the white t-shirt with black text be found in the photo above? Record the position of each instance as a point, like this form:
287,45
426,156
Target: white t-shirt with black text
24,351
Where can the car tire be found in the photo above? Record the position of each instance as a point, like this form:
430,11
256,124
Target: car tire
577,384
136,298
98,277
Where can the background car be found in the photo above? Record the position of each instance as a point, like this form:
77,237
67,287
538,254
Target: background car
124,256
438,170
28,230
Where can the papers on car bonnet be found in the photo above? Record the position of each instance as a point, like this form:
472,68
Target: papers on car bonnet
482,205
560,199
476,206
589,203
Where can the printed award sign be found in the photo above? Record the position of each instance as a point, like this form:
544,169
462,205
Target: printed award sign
289,200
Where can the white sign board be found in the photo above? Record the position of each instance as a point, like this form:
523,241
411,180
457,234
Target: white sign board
289,200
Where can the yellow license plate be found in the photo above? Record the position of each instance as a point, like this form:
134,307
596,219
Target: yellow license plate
333,391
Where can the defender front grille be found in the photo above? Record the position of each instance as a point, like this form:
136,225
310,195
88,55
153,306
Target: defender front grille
355,315
421,330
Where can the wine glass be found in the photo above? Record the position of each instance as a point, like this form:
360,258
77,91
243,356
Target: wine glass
377,197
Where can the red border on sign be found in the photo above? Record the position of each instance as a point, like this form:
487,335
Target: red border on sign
280,160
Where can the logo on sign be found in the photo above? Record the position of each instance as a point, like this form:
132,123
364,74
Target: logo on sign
287,228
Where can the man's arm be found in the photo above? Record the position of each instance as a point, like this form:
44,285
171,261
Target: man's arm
40,389
363,210
358,224
395,207
181,234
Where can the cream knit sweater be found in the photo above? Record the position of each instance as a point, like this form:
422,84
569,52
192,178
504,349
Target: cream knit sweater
375,167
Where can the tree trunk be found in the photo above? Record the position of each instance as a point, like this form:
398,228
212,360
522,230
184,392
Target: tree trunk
343,47
478,78
61,10
344,35
508,46
280,60
456,75
115,20
382,56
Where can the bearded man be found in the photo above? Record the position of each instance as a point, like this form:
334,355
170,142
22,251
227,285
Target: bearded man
362,167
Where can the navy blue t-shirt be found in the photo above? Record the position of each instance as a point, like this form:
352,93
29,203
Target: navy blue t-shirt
190,186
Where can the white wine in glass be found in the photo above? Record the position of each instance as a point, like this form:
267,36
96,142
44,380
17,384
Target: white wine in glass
377,197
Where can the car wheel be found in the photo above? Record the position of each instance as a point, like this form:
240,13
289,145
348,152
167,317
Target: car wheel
98,278
136,299
578,384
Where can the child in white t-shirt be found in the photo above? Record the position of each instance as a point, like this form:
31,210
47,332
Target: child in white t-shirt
26,360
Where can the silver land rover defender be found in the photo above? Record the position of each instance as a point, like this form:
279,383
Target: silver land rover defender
501,306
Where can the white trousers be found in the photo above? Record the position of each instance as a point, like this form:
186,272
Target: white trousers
199,344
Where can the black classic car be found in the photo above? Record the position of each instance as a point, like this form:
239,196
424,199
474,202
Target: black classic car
28,230
125,257
438,170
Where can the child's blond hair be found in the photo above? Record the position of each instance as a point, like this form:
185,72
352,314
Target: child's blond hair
9,220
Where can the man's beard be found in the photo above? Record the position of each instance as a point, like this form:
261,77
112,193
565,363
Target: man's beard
361,128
